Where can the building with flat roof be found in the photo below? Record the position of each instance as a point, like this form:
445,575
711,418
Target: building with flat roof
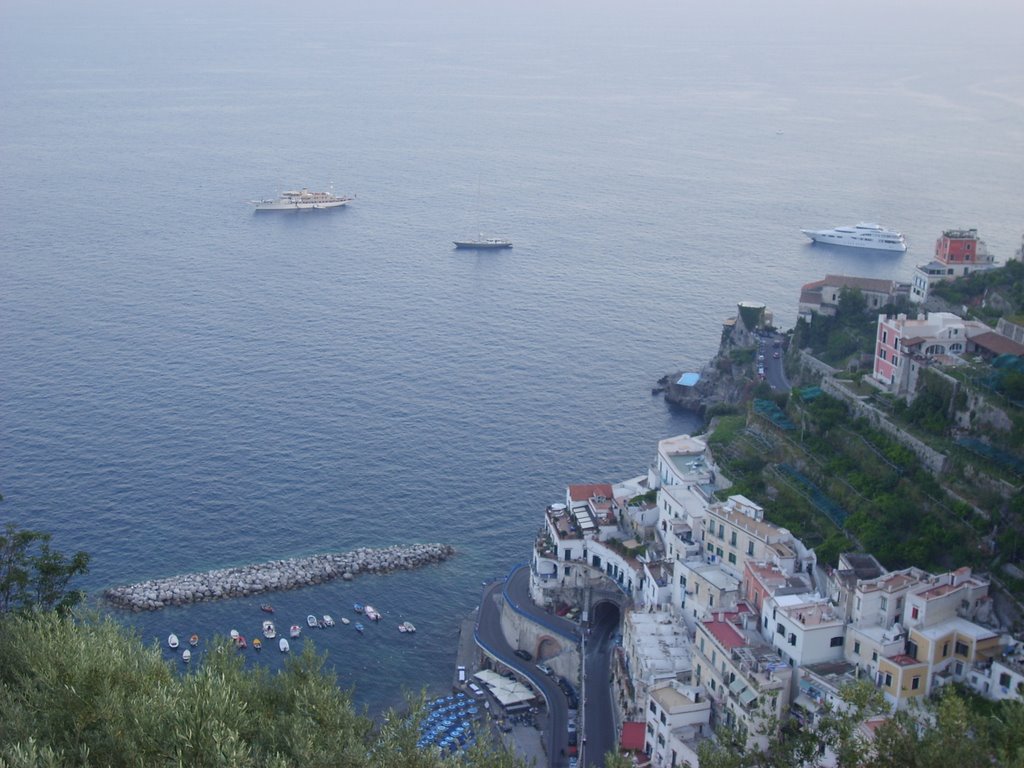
958,252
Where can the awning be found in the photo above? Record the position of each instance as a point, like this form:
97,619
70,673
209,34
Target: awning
747,697
632,737
737,685
806,702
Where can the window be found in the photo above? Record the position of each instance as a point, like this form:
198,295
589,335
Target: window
836,642
945,649
663,720
750,547
732,558
721,531
718,551
650,729
780,630
961,649
567,570
711,547
888,680
792,639
654,707
711,601
856,647
915,683
1004,679
874,655
885,603
912,649
732,539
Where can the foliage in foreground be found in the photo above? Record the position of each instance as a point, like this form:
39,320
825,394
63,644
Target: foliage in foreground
951,732
33,576
88,693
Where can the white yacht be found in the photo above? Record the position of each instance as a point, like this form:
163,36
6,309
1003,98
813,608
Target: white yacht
860,236
302,200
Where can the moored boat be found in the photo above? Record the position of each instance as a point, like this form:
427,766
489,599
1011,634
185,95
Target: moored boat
193,640
311,620
303,200
295,630
172,640
266,607
357,607
186,656
283,645
407,626
234,634
269,630
484,244
371,613
328,620
359,627
257,644
241,643
345,620
863,235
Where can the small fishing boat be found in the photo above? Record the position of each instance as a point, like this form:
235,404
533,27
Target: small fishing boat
357,607
266,607
344,620
257,644
406,626
295,630
283,645
311,621
269,631
371,613
186,656
234,634
359,627
240,642
328,621
194,640
172,640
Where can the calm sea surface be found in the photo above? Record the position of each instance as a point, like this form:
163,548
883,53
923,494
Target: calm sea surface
189,386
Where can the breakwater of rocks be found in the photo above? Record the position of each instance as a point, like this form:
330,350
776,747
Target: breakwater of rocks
275,576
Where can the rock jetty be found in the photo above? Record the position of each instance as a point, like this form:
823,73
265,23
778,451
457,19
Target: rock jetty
274,576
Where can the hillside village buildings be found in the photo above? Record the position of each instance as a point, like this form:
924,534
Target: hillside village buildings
730,621
958,252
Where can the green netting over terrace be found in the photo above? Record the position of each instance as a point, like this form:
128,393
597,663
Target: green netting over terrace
817,497
995,455
773,413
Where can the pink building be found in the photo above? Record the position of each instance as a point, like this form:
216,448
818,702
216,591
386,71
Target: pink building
903,345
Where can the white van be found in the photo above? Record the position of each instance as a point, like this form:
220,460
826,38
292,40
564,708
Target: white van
477,691
462,674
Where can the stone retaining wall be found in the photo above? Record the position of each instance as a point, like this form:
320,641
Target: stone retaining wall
274,576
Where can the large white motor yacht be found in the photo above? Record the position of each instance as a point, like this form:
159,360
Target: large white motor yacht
860,236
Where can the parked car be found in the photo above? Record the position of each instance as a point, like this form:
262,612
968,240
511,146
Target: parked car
524,655
462,674
545,669
476,689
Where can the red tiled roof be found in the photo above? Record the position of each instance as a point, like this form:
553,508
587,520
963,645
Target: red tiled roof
726,634
632,737
997,343
584,492
903,660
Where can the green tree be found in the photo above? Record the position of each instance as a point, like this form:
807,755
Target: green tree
34,576
86,692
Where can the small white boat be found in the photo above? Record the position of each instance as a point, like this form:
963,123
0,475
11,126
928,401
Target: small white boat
194,640
234,635
186,656
328,621
406,626
269,631
295,630
311,620
344,620
172,640
371,613
283,645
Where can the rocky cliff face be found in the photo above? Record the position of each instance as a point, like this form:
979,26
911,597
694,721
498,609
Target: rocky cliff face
722,381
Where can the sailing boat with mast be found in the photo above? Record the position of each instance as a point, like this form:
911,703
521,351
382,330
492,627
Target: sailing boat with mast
482,243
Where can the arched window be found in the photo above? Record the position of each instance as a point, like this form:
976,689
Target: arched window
935,349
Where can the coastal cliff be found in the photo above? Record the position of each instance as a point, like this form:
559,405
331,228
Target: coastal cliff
729,377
